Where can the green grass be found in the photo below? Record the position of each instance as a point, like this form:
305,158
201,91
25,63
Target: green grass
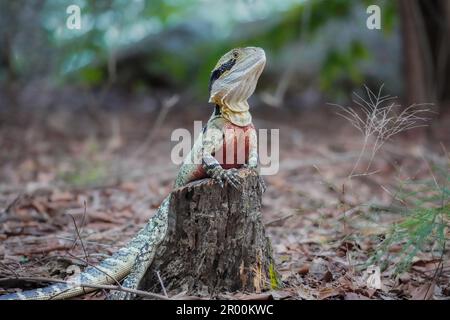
87,169
424,224
274,277
86,174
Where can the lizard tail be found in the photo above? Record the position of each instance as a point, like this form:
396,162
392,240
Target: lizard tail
109,271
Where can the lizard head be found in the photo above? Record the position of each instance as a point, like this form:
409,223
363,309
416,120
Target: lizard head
233,79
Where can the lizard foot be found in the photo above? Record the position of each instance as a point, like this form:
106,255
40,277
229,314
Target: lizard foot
229,176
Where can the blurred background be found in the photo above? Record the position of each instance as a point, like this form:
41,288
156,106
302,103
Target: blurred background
86,114
150,60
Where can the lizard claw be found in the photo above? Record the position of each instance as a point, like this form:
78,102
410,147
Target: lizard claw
218,179
232,177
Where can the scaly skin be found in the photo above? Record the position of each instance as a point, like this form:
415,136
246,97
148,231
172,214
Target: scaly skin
229,130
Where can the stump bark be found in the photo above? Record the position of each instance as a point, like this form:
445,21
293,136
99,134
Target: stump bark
215,242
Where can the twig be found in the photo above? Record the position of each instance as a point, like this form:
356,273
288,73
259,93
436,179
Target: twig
9,269
78,234
438,271
162,284
349,212
95,267
4,215
278,220
89,285
13,203
85,252
86,261
165,108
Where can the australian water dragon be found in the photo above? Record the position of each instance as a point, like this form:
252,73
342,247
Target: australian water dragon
233,81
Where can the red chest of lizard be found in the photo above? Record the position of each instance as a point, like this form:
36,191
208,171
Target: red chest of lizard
234,151
236,145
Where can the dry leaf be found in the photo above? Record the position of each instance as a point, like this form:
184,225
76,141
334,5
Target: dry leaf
61,196
303,269
257,296
328,293
355,296
424,292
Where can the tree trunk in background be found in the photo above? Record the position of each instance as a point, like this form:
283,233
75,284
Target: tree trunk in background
426,50
215,243
414,57
21,38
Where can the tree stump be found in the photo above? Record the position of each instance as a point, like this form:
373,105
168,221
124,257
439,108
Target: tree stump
215,242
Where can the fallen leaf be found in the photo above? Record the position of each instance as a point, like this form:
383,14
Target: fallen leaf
128,186
319,269
424,292
426,266
101,216
303,269
38,206
355,296
257,296
446,291
404,277
328,293
61,196
281,294
327,277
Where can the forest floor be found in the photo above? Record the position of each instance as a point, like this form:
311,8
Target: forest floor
61,169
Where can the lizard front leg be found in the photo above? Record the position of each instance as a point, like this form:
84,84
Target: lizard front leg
212,141
252,162
215,171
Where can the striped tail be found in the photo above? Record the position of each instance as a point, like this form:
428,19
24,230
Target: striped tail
109,271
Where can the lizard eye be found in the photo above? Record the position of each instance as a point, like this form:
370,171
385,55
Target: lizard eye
235,54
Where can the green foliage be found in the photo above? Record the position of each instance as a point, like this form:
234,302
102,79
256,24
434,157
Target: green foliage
92,76
274,277
87,170
180,41
86,174
304,19
425,224
343,64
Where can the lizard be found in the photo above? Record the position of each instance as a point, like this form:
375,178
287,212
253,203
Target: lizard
232,81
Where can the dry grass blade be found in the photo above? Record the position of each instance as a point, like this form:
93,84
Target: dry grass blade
378,121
